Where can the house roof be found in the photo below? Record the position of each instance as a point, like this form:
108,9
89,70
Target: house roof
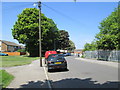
9,43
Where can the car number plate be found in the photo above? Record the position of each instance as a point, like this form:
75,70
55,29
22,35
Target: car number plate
58,63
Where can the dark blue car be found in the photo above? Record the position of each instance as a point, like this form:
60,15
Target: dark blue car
3,54
67,54
56,61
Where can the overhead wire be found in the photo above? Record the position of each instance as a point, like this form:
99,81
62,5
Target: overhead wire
56,11
62,14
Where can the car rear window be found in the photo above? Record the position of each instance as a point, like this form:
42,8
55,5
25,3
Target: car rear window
51,57
59,58
55,57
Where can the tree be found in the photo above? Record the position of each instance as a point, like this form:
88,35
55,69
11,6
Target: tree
63,41
90,46
26,31
109,36
71,45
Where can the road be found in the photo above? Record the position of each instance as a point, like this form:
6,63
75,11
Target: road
82,74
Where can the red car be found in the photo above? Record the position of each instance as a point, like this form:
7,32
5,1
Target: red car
47,53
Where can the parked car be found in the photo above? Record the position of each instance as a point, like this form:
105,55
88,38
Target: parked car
3,54
56,61
47,53
67,54
52,56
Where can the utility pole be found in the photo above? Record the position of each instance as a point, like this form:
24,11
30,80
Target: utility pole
40,49
54,45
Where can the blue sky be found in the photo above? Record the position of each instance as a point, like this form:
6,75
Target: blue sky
80,19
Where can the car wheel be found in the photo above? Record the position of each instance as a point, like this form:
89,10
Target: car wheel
45,61
65,69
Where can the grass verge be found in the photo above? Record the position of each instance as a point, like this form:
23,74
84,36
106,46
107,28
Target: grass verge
5,78
9,61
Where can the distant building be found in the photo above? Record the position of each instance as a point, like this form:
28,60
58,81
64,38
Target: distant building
76,51
7,46
62,51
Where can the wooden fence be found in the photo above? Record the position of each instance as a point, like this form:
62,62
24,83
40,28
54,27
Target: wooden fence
15,53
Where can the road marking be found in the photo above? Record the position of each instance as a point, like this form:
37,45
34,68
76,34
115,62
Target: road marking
46,74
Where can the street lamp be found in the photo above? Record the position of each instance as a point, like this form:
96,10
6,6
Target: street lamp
39,6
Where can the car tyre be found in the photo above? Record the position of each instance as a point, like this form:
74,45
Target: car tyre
65,69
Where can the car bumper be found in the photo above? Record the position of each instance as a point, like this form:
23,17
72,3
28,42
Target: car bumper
57,66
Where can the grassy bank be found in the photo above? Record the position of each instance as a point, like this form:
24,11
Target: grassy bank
8,61
5,78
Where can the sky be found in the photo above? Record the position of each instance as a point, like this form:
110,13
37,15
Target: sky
80,19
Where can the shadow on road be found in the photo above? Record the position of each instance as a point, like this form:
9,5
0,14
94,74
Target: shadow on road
72,83
37,84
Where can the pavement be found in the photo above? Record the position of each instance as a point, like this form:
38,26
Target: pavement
108,63
28,76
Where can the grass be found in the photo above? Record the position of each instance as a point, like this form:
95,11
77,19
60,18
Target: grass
5,78
9,61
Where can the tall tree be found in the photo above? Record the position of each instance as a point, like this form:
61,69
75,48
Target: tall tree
109,35
71,45
63,41
26,31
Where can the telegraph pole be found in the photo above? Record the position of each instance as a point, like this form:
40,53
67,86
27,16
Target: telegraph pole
39,6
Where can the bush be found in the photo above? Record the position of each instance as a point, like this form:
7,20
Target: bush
21,50
83,56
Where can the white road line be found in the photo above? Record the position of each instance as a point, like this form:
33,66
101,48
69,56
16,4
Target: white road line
46,74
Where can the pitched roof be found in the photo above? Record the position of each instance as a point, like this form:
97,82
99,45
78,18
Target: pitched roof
9,43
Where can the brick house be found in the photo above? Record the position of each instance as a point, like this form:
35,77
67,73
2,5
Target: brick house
7,46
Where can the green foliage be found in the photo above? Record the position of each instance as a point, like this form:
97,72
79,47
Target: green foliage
63,41
90,47
21,50
83,56
109,35
71,45
6,78
26,31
